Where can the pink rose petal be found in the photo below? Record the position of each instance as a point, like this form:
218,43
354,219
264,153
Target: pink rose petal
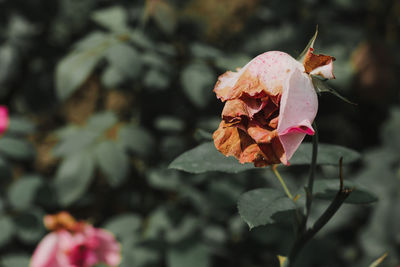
299,105
47,254
86,247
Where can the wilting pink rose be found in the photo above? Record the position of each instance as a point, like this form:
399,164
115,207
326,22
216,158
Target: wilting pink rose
270,106
77,244
4,119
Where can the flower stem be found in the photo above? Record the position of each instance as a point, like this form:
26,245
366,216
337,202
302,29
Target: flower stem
306,235
310,186
275,170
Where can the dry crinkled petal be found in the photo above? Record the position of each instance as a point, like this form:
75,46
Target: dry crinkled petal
254,154
269,111
259,133
325,71
263,154
231,141
299,105
319,64
241,107
274,123
279,151
225,84
264,75
253,105
267,114
61,220
233,110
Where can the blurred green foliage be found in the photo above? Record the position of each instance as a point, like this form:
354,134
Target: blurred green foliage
105,94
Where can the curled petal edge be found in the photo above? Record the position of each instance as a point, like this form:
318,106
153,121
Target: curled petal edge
299,104
319,64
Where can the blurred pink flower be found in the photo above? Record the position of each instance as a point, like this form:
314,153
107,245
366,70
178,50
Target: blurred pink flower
77,245
270,106
4,119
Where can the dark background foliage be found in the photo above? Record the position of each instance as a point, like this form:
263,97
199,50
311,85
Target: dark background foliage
105,94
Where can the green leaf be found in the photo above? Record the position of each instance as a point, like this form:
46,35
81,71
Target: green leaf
21,194
202,135
196,255
67,130
75,68
73,177
309,45
201,50
156,79
102,121
164,179
328,188
16,148
169,124
29,226
111,77
20,125
124,226
216,234
196,80
154,60
136,139
321,87
113,18
165,17
113,162
15,260
206,157
91,40
7,230
75,142
327,155
138,255
258,207
270,38
140,39
125,59
2,208
390,128
187,227
5,170
158,223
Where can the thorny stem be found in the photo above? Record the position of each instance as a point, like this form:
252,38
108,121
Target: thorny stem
277,174
337,202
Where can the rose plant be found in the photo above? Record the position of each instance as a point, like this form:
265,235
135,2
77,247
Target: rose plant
270,106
